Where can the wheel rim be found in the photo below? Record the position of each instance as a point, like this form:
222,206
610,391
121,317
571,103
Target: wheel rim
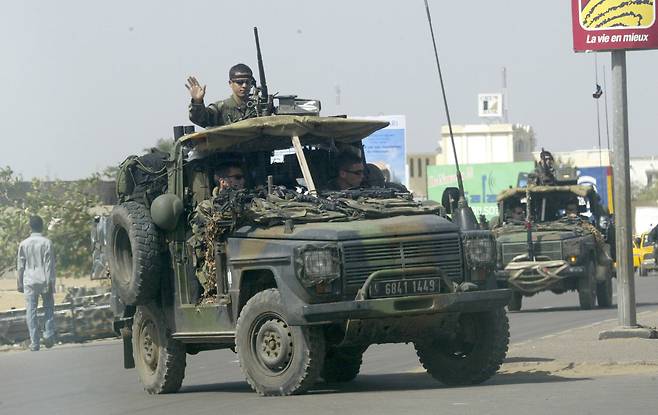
149,346
272,343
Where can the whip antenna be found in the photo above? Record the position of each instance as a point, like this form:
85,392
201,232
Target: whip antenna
460,184
463,215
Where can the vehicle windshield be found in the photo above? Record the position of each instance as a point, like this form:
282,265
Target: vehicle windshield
547,207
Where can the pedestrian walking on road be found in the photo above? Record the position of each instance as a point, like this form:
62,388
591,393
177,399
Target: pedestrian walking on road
36,277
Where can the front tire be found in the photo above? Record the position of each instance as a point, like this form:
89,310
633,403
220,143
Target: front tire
473,354
277,359
159,359
342,364
587,287
604,293
515,301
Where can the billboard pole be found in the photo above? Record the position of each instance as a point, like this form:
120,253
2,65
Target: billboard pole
628,326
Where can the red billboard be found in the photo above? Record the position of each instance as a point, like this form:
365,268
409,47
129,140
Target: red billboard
614,24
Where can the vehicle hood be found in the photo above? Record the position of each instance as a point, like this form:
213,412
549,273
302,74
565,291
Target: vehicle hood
358,229
537,236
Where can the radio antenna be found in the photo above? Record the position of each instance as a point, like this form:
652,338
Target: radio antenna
463,215
460,183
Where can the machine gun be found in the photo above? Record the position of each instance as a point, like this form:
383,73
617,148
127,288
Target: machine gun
262,103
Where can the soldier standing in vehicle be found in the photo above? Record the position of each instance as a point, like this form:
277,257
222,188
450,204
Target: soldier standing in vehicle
228,111
36,277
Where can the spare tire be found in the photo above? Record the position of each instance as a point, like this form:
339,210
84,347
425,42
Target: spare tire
135,253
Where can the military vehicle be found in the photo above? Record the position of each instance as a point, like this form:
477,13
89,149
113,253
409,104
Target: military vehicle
562,243
297,280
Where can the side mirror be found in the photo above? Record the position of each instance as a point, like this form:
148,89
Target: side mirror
165,211
450,198
603,222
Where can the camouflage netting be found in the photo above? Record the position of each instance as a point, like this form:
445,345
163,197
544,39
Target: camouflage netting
215,218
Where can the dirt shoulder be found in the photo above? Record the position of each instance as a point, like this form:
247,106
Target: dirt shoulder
10,298
578,353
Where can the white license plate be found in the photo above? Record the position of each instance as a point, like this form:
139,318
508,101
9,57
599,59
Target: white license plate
396,288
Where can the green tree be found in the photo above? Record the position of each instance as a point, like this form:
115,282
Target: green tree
65,209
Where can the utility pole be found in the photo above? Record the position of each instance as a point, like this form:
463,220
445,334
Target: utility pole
628,326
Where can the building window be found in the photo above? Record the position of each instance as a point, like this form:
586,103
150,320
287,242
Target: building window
420,167
411,167
427,163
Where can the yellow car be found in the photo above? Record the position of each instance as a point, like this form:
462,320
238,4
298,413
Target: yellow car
643,256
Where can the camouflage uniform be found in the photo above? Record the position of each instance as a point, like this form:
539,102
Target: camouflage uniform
219,113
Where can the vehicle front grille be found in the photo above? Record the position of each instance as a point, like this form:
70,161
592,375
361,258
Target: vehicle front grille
550,249
361,259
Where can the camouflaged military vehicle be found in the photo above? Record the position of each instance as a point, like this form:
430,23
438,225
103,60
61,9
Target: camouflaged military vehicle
297,280
556,241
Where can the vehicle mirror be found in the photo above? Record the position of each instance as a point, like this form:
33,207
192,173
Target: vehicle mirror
603,222
450,198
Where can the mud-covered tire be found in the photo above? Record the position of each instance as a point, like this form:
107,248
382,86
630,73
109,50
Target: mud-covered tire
134,253
276,358
342,364
473,355
604,293
159,359
515,302
587,287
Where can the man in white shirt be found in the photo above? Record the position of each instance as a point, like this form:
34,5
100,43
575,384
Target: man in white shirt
36,277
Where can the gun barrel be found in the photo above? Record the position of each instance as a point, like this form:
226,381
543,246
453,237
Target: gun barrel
261,68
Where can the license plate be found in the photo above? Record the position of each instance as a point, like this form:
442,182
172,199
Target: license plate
396,288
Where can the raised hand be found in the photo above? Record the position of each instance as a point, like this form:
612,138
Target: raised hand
197,92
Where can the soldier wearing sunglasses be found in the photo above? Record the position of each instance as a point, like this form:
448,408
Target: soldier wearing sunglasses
227,111
350,172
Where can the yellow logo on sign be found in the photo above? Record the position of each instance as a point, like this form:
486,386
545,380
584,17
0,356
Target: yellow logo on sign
601,14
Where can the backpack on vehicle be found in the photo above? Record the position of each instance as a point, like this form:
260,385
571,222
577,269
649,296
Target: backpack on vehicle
142,178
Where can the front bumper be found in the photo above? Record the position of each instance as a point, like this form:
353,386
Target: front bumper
570,271
460,302
533,277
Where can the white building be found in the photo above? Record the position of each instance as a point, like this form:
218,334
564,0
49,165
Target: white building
417,168
644,171
486,143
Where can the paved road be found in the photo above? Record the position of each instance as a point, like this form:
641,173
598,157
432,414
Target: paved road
89,379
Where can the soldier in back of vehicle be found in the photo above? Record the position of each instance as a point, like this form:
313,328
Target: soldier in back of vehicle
228,111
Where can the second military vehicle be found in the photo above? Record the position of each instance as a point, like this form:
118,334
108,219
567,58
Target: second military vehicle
554,238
